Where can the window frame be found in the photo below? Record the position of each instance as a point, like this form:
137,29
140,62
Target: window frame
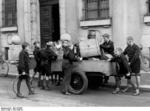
6,10
85,10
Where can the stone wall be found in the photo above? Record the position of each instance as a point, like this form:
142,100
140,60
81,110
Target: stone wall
126,15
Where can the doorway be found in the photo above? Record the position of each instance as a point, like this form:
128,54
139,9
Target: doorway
49,21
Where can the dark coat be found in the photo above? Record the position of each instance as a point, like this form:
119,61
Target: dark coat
108,47
47,55
36,54
69,57
37,57
133,52
123,68
24,60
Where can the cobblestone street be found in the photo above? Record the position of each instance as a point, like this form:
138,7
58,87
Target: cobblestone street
100,97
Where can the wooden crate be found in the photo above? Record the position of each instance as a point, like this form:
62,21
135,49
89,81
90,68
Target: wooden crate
89,48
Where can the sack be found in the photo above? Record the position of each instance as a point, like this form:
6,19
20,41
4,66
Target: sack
89,48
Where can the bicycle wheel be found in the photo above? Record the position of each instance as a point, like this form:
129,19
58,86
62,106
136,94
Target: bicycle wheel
10,90
23,88
4,68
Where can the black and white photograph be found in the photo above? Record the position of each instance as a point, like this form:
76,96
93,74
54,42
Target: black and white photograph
74,53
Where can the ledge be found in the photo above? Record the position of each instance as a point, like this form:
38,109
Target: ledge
105,22
8,29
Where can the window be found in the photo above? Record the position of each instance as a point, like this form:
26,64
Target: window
9,13
96,9
91,34
148,7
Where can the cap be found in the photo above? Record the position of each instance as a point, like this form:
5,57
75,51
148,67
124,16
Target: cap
36,42
25,44
130,38
106,35
66,37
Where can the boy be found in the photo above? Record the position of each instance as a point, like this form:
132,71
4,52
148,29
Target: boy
107,49
37,57
68,58
133,52
23,69
123,69
47,55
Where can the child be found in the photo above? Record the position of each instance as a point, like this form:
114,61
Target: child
68,58
23,69
59,51
47,55
133,52
37,57
123,69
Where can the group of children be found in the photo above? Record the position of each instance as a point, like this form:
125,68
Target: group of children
128,64
125,67
44,58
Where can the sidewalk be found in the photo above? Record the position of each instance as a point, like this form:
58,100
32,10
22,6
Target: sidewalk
145,77
145,81
13,70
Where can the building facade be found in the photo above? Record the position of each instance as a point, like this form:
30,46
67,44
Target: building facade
46,20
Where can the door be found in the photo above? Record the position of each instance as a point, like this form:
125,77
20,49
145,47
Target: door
46,24
56,22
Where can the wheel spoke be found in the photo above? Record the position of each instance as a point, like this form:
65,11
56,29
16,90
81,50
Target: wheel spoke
77,82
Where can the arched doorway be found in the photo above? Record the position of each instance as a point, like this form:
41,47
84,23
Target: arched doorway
49,21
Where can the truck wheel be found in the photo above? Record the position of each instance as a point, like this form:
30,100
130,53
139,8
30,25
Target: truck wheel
79,82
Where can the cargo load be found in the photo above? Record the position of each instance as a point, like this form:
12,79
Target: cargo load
89,48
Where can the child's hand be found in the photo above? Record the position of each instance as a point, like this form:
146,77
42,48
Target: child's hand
108,60
128,74
80,59
23,73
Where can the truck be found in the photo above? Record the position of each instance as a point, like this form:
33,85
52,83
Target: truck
86,73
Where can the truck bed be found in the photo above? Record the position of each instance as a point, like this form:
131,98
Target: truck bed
101,66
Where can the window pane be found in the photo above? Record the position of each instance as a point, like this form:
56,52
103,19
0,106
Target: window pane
148,6
104,4
104,14
92,4
92,14
9,13
104,9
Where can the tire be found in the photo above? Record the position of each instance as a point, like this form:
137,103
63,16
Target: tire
4,69
79,82
23,88
14,85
